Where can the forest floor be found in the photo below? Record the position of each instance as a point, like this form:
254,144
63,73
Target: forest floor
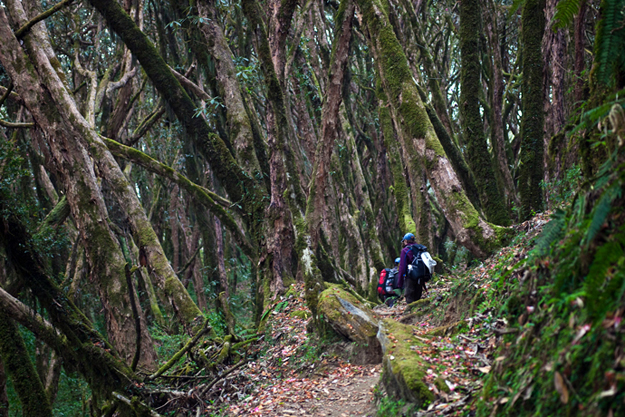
296,374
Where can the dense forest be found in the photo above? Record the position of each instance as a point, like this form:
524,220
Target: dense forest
171,173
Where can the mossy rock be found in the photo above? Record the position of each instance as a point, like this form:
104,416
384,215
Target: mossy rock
404,372
355,322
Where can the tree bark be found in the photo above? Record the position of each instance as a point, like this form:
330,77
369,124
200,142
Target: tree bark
496,99
532,121
478,157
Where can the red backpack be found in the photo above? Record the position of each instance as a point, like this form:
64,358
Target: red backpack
386,283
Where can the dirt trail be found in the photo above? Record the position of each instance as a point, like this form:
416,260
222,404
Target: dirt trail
291,377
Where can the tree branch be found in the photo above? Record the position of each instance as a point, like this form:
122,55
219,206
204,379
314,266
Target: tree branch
193,87
32,320
32,22
4,123
215,203
181,352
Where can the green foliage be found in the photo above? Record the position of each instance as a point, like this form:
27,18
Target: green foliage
561,191
552,232
575,281
610,42
601,211
565,13
388,407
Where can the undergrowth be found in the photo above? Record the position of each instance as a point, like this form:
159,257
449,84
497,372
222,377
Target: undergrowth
564,354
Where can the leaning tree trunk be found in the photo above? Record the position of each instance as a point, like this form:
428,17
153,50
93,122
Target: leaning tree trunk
532,121
44,94
418,139
478,157
21,370
69,332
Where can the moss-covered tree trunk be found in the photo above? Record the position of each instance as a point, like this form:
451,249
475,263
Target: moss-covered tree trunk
478,156
318,209
48,100
532,121
417,137
69,332
21,370
401,191
239,124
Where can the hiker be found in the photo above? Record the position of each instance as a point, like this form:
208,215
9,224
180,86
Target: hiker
413,287
387,285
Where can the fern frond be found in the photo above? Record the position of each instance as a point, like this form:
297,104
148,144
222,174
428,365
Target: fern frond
610,40
565,13
552,232
606,257
516,5
601,211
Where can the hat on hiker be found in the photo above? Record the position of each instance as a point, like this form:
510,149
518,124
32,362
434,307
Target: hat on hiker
397,261
408,237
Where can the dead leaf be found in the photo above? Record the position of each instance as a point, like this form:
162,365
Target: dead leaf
485,369
561,387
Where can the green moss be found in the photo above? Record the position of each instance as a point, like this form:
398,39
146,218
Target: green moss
300,314
404,371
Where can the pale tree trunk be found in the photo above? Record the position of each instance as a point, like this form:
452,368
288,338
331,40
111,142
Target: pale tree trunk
418,139
73,164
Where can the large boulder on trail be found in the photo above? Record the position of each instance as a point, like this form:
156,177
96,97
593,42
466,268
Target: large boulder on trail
404,373
354,321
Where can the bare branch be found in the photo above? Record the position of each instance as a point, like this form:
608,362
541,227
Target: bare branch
4,123
24,29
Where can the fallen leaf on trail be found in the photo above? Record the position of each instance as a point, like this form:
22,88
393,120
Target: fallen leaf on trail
561,387
485,369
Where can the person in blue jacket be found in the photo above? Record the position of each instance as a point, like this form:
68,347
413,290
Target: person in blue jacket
413,289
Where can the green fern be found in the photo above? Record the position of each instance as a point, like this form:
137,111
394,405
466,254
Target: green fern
565,13
610,41
601,211
598,299
516,5
552,232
